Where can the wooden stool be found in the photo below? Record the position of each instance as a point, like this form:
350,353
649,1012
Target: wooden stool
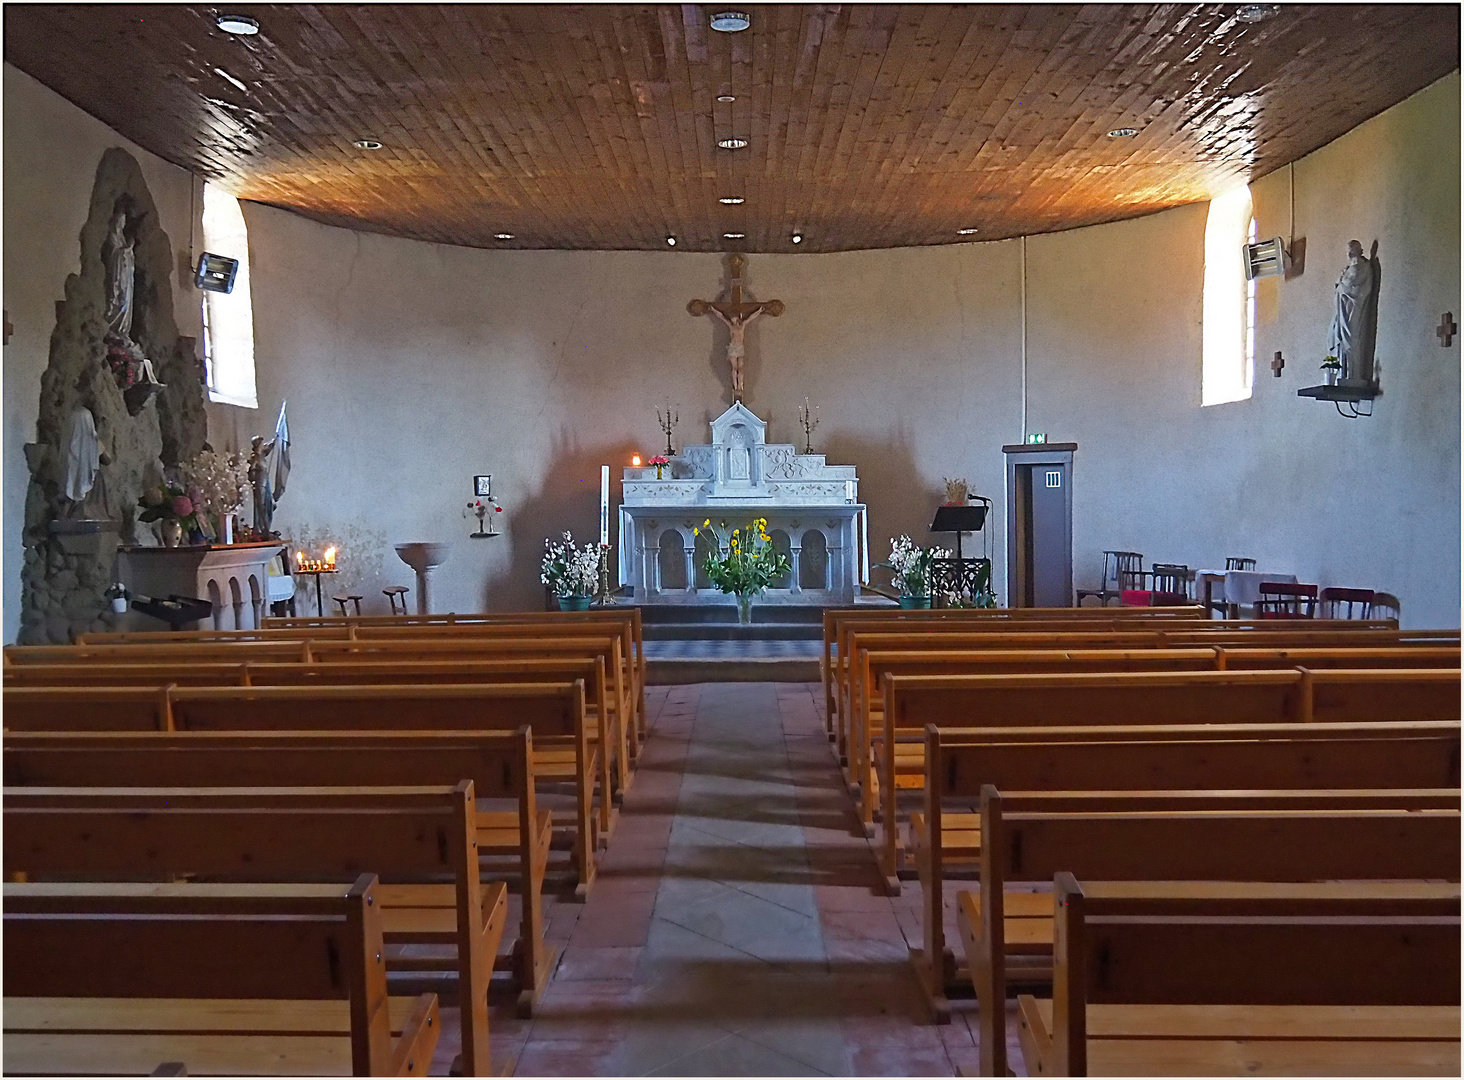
341,600
392,594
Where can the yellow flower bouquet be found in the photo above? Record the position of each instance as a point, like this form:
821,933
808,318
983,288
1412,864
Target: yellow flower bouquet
744,562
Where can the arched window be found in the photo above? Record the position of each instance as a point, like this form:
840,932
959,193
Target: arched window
228,318
1227,324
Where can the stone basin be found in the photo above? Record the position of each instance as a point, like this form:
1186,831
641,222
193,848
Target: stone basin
422,557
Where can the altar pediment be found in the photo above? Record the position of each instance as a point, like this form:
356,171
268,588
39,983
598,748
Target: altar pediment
740,467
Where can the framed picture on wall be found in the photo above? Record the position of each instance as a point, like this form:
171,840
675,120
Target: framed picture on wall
483,487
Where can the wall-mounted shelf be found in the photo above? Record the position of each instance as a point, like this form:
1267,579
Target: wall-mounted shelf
1347,390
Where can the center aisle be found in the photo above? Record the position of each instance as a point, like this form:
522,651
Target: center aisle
736,926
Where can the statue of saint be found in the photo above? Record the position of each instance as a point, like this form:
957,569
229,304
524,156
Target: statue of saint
264,502
121,266
1350,339
121,273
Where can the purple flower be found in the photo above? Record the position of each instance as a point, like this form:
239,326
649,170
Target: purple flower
182,506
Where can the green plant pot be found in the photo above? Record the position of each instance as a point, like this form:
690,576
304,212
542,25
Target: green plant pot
914,601
574,603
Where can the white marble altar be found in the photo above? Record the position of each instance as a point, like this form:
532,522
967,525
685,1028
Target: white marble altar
812,508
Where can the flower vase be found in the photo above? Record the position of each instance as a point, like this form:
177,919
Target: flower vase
574,603
915,601
744,608
171,531
658,471
1330,375
225,534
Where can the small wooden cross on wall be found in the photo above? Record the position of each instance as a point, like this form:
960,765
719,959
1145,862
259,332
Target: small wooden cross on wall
1446,329
1277,364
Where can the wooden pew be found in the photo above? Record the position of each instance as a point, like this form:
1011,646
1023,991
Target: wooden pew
915,702
836,621
229,652
282,834
872,666
1258,980
121,978
555,712
555,763
1130,635
1236,836
625,624
500,764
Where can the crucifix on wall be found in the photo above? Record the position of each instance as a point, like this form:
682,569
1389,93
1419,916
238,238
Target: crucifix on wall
736,313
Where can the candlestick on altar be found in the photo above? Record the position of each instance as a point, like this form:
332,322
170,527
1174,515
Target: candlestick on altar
808,420
604,506
668,423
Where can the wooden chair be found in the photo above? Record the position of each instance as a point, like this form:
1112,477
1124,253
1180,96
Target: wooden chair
1234,563
512,844
1168,587
1249,980
122,978
1332,600
1386,606
1121,570
1286,600
274,834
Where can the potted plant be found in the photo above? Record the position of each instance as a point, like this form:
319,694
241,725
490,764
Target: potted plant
660,461
911,565
572,572
118,595
743,563
170,505
1331,370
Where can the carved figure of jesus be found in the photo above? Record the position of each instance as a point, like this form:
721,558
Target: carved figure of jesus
736,314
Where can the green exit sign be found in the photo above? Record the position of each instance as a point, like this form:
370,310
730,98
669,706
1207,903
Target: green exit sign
1037,437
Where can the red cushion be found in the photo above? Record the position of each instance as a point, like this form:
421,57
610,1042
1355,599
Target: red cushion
1135,597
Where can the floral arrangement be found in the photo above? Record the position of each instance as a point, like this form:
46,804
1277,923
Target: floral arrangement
745,562
216,482
660,461
1332,362
570,570
911,564
119,361
169,502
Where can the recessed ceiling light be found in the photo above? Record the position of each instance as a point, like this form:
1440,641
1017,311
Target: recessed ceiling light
1254,13
967,232
729,22
731,200
1122,133
670,241
366,144
221,73
734,235
725,98
732,144
237,24
503,236
798,238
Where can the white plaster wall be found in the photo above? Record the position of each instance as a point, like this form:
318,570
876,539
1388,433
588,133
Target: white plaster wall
1114,364
51,153
409,367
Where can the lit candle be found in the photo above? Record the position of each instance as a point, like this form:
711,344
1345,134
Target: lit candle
635,461
604,505
330,557
849,490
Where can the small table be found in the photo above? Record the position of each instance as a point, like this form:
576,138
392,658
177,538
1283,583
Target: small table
319,605
1238,588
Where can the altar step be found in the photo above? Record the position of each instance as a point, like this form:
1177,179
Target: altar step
688,643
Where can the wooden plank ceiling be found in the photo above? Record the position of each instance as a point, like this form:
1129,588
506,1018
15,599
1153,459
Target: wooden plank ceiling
595,126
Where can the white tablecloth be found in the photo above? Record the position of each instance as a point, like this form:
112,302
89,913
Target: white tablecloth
1239,587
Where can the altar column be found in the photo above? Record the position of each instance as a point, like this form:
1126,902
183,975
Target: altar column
795,555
